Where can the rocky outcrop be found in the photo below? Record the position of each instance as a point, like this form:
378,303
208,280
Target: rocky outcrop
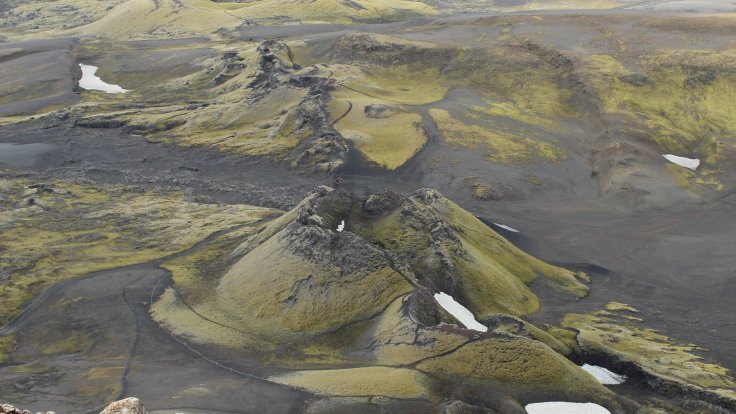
9,409
130,405
232,65
385,50
323,149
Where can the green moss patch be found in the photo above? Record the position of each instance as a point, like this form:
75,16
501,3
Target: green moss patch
500,146
518,362
63,230
366,381
652,352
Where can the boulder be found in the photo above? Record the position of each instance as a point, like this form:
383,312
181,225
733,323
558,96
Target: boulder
129,405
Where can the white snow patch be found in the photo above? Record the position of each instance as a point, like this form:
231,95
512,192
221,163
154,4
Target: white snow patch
459,311
503,226
559,407
341,226
603,375
91,82
691,163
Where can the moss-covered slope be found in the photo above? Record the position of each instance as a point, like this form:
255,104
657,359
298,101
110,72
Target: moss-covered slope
343,307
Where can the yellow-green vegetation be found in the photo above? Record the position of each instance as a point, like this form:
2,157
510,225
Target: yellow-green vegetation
332,11
133,19
500,147
296,296
566,336
542,104
652,352
160,19
518,362
100,382
515,85
191,272
7,342
618,306
682,101
188,309
276,292
63,230
202,322
495,268
74,341
276,289
237,118
45,15
388,138
365,381
397,84
396,338
482,191
375,101
491,273
263,129
509,325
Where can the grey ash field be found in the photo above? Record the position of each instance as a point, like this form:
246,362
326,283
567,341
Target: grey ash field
178,242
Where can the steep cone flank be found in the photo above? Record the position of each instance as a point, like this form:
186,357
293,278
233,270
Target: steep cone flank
304,275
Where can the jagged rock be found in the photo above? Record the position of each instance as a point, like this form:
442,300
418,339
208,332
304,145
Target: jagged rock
271,67
323,149
482,192
42,188
230,68
427,195
104,123
422,308
367,47
9,409
636,79
377,204
377,111
314,220
129,405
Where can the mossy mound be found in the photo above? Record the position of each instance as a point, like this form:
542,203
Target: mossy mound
305,279
667,365
306,297
389,140
300,274
518,363
681,100
253,101
450,250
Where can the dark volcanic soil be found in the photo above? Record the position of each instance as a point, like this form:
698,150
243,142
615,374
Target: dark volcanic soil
114,156
675,264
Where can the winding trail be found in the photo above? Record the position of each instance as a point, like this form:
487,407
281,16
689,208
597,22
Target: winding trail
113,307
350,108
